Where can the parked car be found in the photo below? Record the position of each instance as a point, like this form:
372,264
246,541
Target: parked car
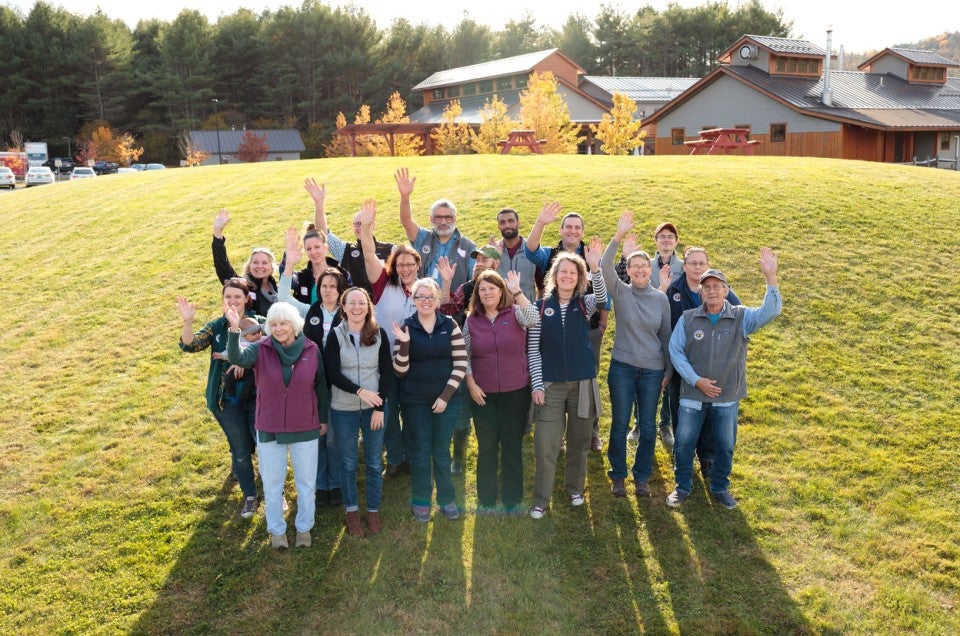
139,167
155,166
38,175
7,178
105,167
127,171
66,164
82,172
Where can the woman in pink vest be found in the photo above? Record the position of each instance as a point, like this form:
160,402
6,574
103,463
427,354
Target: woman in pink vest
498,378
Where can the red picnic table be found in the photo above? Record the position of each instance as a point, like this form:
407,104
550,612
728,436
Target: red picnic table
726,139
522,139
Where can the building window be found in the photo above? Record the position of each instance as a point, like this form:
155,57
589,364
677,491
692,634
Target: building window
798,66
453,91
929,73
504,83
438,93
677,136
944,142
520,81
486,86
470,89
778,133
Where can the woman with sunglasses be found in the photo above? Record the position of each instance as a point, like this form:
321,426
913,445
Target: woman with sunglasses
430,358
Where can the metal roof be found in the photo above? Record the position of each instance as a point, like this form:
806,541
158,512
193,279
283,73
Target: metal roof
472,107
485,70
918,56
787,45
277,140
643,89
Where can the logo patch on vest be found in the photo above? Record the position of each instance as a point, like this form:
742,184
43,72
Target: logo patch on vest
548,312
698,334
462,252
315,320
676,297
253,296
304,291
355,253
425,249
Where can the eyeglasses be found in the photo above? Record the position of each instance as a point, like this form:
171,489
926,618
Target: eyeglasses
666,236
405,265
357,224
424,299
444,218
711,287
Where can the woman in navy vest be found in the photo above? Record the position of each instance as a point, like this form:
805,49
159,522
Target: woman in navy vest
563,374
498,378
292,407
431,360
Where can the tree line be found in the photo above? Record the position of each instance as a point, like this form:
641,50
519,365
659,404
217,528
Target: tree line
300,66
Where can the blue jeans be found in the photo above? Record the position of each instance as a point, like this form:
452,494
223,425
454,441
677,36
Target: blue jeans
396,439
328,461
705,442
236,420
629,386
430,462
273,472
348,425
724,420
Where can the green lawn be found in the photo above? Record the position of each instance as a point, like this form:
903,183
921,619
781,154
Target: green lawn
114,511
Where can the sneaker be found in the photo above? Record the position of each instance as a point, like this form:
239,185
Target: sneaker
353,524
537,512
336,497
617,488
421,513
666,435
677,497
641,489
577,499
279,541
249,507
456,466
725,499
633,435
304,540
373,522
392,470
450,511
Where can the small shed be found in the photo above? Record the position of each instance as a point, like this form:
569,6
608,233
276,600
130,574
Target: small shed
222,145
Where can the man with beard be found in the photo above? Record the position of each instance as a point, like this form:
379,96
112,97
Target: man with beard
513,256
444,240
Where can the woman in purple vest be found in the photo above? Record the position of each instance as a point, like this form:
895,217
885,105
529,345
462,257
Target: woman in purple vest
293,402
498,378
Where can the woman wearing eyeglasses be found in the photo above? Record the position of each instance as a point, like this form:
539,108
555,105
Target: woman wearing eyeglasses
392,284
227,405
258,270
430,358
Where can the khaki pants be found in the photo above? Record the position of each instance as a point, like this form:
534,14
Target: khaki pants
559,413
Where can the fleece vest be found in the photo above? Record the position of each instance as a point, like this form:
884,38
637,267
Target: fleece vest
522,265
498,352
718,352
360,365
565,349
460,249
431,360
287,409
354,265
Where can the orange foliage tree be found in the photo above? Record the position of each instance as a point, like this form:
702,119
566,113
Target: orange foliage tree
253,147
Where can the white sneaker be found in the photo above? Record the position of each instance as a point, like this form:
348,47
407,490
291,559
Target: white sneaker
537,512
577,499
633,435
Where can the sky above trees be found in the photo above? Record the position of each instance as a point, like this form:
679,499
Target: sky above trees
857,26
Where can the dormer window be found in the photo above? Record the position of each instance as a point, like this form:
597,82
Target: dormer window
928,74
798,66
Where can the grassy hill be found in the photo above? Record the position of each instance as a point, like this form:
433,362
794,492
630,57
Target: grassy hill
114,511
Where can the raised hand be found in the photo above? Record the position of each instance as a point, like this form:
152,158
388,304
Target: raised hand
186,308
768,261
232,315
404,182
317,192
513,282
368,212
625,222
220,220
446,269
666,276
629,244
400,334
549,212
593,252
292,246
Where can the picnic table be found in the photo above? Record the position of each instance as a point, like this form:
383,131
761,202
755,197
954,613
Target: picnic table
521,139
727,140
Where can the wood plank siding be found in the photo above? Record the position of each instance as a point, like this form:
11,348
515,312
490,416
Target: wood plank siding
808,144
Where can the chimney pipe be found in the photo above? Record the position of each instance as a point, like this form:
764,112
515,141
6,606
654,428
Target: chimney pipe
827,97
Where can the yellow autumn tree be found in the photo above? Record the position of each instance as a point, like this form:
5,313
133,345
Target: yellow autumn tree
618,132
452,137
543,110
112,147
403,145
494,126
339,145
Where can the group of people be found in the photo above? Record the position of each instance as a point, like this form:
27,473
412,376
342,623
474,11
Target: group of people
400,347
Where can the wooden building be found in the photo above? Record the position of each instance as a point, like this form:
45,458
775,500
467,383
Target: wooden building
899,106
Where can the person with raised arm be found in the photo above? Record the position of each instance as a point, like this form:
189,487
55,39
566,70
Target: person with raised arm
563,374
349,255
443,239
640,361
709,351
258,270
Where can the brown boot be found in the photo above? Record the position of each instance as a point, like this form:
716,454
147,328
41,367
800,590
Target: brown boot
353,524
373,522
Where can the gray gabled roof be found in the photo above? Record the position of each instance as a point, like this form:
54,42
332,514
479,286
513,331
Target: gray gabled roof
788,45
277,140
914,56
643,89
485,70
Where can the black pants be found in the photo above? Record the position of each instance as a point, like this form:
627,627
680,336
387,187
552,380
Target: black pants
500,424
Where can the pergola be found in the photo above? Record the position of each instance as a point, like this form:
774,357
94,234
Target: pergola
388,131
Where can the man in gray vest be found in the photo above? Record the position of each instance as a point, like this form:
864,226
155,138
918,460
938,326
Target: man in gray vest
708,349
443,240
513,257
